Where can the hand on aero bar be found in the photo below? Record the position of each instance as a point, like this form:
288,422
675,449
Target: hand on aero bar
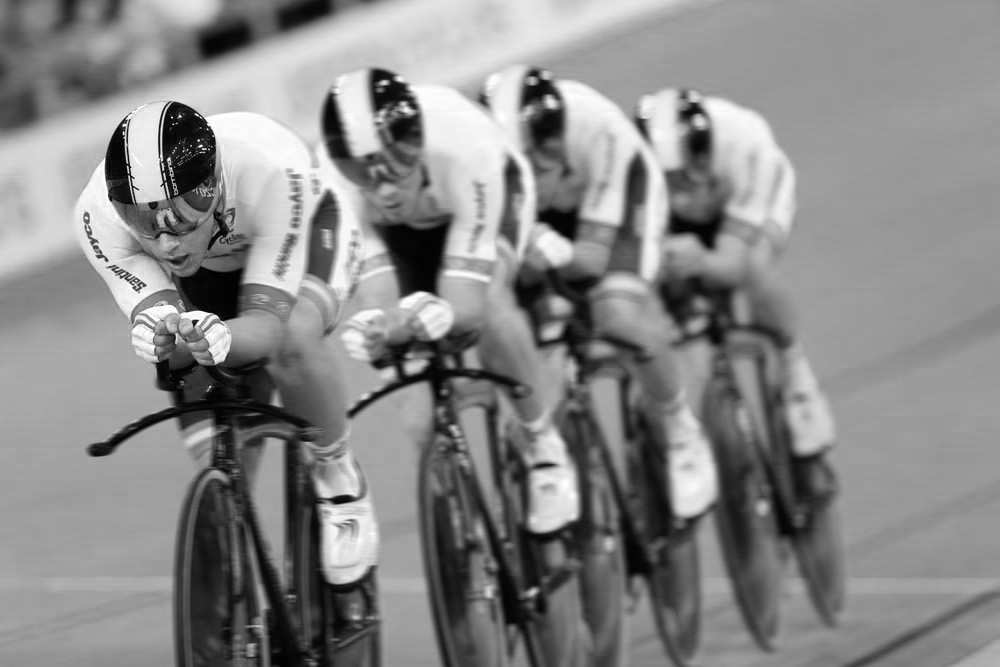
684,256
426,317
547,249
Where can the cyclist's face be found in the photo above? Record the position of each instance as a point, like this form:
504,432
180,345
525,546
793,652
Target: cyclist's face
548,156
176,231
181,255
392,186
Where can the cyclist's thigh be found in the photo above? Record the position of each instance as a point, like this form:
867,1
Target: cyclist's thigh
621,306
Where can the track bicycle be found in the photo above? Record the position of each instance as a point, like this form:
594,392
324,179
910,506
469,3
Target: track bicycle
771,502
492,587
628,529
222,558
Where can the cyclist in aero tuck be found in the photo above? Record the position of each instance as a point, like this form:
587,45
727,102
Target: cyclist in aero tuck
732,206
222,241
598,186
445,202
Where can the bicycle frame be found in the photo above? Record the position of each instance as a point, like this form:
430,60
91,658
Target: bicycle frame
443,367
730,339
237,419
577,335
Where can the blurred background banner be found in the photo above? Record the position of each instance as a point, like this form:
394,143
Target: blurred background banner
71,69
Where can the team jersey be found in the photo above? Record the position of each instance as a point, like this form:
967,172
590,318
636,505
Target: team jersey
473,181
602,146
753,182
272,186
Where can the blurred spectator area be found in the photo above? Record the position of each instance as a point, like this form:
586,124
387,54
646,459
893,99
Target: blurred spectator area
57,54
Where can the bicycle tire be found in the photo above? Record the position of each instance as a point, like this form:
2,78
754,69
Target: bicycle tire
819,548
208,573
818,543
745,516
459,564
558,636
342,625
603,574
674,585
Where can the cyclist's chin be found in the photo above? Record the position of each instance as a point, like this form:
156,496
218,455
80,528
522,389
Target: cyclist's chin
183,267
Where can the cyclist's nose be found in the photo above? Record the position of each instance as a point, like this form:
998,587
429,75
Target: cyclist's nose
167,243
387,192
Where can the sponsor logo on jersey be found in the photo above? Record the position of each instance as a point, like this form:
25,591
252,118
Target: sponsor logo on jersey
265,302
233,239
296,186
326,238
480,193
131,280
94,245
283,261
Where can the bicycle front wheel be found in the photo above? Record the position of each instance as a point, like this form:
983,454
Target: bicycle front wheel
674,582
459,563
603,573
209,625
745,519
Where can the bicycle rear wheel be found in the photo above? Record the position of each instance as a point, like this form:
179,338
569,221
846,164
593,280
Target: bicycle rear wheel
342,625
210,625
674,584
460,565
603,573
745,518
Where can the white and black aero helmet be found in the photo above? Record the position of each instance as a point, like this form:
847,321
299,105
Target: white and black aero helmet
161,169
677,126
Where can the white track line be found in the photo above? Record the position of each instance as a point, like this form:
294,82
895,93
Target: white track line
864,586
988,656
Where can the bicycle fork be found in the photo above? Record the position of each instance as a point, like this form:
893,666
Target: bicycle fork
252,539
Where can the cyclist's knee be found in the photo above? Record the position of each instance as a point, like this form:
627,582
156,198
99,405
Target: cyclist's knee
620,306
762,277
303,334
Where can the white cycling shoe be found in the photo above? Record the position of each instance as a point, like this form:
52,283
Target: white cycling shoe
694,479
349,537
810,421
553,491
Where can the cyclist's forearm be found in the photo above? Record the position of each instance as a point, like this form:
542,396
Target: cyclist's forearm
256,336
468,298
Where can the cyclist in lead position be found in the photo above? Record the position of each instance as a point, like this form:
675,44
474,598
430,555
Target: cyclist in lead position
222,241
732,194
445,202
599,187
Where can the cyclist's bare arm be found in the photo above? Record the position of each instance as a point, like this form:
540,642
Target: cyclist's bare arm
470,254
602,211
759,175
379,284
275,264
136,280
